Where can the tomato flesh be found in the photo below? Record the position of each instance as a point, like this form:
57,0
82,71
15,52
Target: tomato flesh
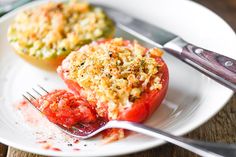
65,108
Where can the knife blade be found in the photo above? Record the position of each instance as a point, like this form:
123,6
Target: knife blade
216,66
147,32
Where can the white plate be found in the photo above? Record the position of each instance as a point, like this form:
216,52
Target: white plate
192,98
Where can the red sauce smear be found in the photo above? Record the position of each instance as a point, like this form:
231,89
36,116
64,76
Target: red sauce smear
56,149
48,146
22,104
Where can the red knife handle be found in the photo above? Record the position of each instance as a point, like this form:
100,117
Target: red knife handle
217,66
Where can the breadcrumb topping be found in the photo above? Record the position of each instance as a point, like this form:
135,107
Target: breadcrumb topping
116,72
55,29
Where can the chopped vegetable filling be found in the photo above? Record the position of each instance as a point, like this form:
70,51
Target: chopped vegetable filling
54,29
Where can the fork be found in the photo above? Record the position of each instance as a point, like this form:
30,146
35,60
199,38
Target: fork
201,148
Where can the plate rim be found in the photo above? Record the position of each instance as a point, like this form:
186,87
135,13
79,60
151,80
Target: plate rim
141,147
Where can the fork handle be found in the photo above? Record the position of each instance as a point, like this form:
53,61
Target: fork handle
219,67
201,148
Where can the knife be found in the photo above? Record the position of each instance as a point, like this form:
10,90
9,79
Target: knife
6,6
216,66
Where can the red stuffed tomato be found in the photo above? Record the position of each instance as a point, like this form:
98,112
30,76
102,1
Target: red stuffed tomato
120,79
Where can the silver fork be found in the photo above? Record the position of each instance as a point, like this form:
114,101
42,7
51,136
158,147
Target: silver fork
201,148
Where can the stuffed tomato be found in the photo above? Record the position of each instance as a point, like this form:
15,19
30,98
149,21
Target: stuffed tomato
120,79
46,34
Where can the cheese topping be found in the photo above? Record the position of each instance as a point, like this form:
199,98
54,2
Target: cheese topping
55,29
115,72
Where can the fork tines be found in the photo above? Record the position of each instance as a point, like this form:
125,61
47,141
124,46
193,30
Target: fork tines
40,91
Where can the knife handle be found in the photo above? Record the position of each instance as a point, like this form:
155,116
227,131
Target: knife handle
217,66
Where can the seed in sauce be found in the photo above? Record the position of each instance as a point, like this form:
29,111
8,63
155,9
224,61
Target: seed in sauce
76,141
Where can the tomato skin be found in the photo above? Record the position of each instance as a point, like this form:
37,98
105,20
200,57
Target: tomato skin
49,64
148,102
142,108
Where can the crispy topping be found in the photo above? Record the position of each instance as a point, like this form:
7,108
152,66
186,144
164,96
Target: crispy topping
55,29
115,72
